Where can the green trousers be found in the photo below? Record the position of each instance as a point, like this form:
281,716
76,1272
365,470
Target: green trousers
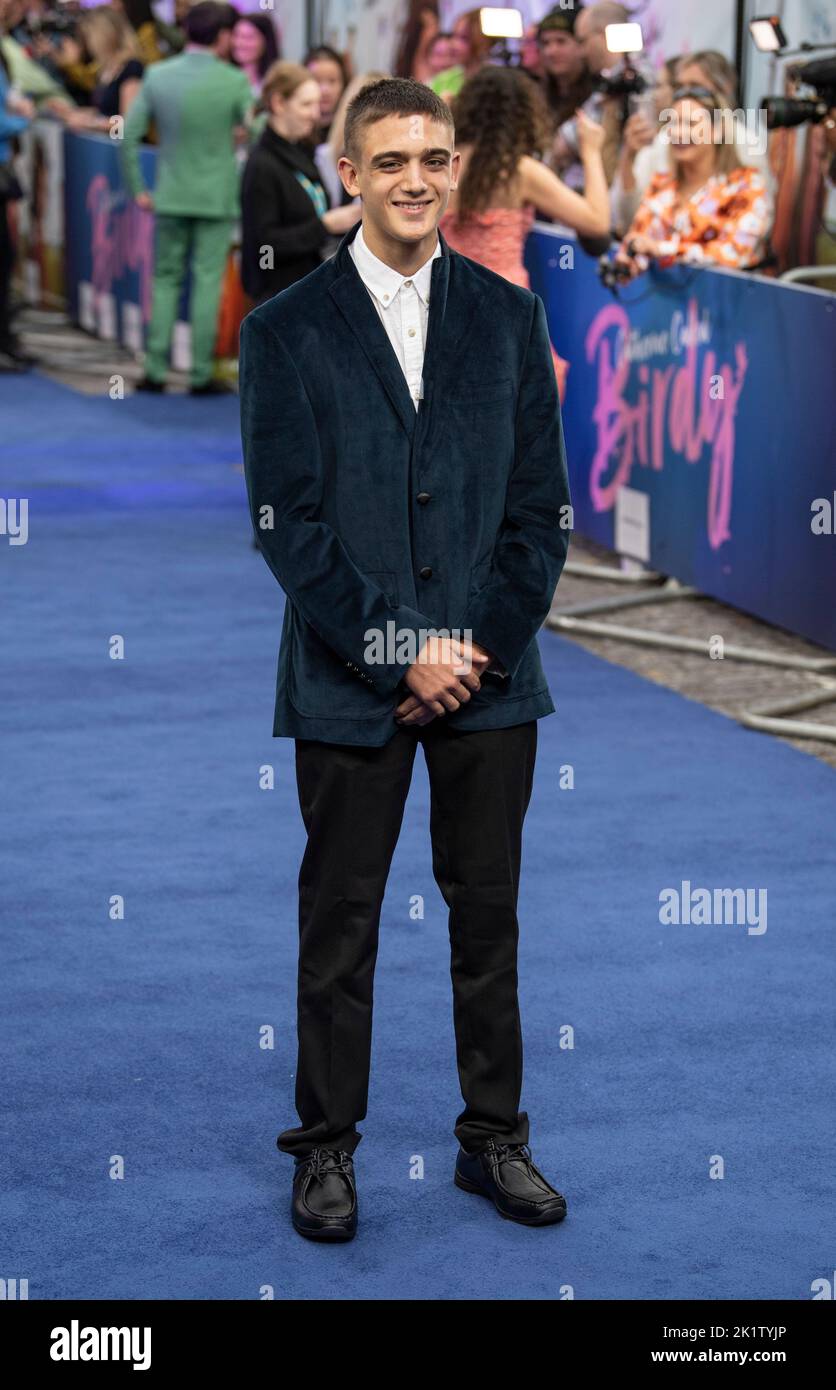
204,241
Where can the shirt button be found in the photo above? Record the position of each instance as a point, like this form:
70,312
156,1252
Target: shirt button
386,296
426,572
423,497
407,283
411,332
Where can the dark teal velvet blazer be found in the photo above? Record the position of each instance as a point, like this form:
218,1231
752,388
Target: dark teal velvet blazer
371,513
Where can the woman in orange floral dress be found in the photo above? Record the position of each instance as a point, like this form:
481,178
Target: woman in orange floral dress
710,209
501,124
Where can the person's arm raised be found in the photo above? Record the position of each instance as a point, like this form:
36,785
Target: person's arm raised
588,213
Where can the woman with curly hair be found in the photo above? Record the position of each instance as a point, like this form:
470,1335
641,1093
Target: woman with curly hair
502,126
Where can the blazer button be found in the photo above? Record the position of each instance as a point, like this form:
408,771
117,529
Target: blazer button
423,497
426,572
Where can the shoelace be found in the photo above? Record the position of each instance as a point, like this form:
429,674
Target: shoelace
329,1161
505,1151
501,1152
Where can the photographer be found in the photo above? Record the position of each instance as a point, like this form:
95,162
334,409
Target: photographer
566,81
607,109
710,210
31,43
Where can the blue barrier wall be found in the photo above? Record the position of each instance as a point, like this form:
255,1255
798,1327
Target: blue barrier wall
109,240
712,395
110,250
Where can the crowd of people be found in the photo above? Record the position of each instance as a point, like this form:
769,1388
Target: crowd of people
246,135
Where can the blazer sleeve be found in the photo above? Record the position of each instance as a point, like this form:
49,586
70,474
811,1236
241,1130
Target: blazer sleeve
136,127
533,540
283,469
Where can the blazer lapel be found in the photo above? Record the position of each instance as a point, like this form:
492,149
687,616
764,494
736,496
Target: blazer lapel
354,302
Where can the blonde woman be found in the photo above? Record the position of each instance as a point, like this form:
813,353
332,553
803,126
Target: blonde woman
710,209
114,48
644,151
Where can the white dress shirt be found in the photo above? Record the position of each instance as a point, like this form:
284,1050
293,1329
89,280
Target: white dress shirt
402,303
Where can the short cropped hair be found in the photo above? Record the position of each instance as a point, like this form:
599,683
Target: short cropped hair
206,20
391,96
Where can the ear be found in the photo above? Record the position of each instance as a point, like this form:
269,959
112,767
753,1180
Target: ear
347,171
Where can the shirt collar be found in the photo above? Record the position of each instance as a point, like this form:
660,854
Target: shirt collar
381,279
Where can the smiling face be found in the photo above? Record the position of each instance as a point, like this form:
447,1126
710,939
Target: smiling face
296,116
691,132
247,43
404,177
330,78
442,55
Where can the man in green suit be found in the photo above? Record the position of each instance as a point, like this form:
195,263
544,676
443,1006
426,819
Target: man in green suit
196,101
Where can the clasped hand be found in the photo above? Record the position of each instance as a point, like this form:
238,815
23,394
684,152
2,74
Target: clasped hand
442,680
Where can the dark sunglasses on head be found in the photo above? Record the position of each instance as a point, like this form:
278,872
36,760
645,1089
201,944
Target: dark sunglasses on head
701,94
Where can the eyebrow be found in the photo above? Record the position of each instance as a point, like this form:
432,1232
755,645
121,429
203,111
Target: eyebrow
399,154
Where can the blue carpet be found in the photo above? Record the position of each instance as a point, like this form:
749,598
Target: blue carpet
143,1039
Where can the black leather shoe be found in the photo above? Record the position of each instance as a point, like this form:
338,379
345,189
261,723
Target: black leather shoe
324,1201
506,1174
146,383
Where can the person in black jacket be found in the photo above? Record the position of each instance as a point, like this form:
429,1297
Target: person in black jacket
287,224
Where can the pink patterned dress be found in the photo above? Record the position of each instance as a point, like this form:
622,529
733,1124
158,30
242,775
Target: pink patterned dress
496,238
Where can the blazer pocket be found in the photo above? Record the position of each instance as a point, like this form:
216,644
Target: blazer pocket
479,575
386,580
321,684
480,392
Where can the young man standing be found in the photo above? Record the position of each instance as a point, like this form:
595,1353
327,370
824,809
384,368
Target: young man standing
407,477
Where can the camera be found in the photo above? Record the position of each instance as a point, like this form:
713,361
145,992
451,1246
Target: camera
625,83
784,112
612,274
54,24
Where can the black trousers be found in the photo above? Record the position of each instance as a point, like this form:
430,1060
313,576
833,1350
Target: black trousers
352,801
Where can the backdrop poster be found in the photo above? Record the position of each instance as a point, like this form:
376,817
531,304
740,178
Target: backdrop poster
700,424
